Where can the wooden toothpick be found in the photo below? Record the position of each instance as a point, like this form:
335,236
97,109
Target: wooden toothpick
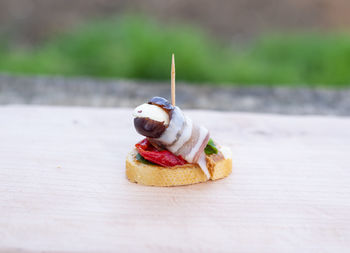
173,80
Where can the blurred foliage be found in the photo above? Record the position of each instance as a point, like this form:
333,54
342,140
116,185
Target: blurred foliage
139,48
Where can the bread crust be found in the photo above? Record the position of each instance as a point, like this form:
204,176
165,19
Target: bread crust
154,175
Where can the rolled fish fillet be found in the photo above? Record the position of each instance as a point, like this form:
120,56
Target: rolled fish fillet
183,137
179,134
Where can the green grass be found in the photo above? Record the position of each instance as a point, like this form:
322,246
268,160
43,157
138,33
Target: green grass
139,48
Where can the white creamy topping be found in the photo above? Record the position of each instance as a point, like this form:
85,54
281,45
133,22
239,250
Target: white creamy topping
151,111
184,137
176,122
202,162
202,134
226,152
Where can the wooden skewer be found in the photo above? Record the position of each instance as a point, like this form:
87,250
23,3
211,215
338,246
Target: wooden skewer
173,80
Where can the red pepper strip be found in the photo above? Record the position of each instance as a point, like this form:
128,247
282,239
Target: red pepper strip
163,158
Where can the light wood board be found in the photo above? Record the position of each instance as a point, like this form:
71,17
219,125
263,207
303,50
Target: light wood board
63,187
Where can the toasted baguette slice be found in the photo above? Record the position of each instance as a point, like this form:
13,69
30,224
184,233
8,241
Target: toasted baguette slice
154,175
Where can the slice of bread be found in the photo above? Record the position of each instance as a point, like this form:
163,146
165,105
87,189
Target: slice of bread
138,172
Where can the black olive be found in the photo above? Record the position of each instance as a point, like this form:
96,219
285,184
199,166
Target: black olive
148,127
162,103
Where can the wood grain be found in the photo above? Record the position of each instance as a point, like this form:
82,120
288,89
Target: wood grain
63,187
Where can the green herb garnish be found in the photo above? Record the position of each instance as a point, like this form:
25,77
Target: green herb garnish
140,158
211,148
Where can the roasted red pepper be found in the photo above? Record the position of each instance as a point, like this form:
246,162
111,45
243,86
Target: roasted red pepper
161,157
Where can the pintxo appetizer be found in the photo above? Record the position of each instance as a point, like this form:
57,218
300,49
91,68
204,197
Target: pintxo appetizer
176,150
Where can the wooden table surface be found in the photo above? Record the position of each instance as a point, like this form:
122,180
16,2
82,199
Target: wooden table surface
63,187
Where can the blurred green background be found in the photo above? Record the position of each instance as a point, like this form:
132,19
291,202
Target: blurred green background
138,46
